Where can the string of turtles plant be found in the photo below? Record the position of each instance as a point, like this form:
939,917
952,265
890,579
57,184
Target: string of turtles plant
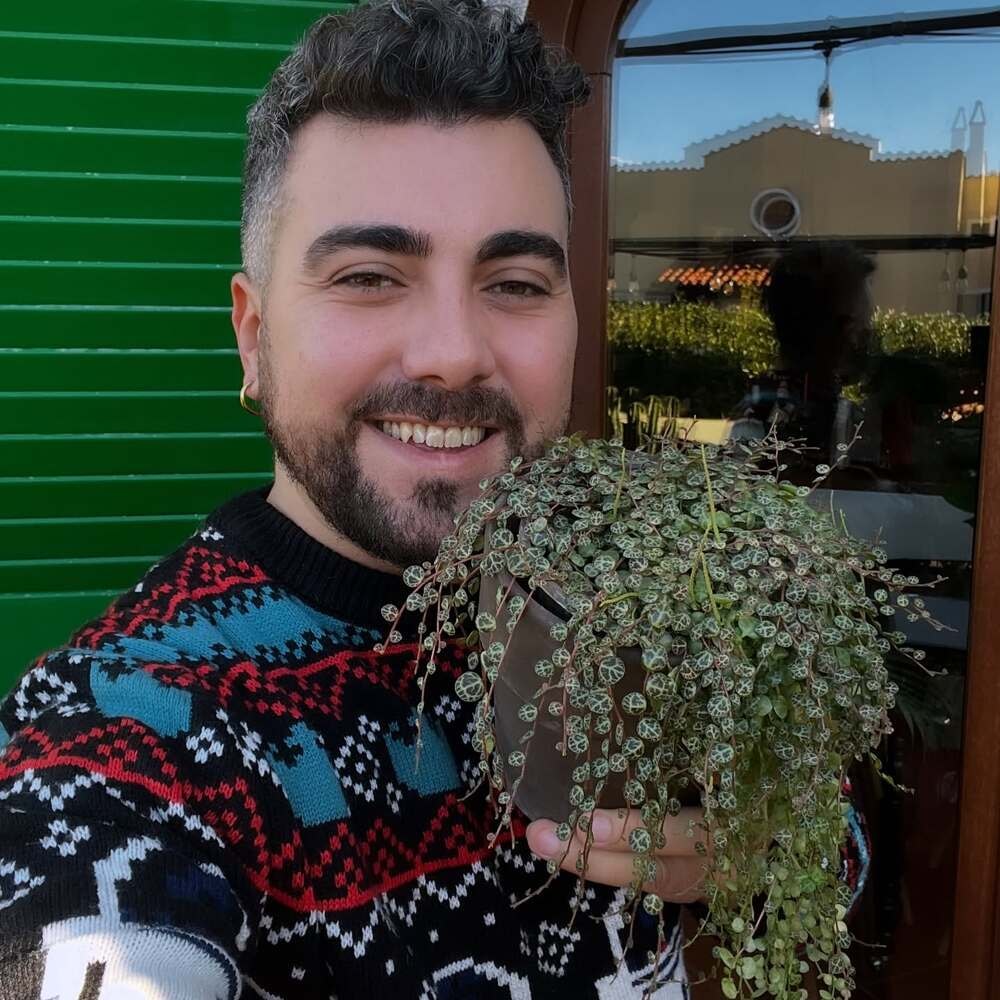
762,628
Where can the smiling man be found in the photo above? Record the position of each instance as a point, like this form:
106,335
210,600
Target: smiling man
406,333
211,791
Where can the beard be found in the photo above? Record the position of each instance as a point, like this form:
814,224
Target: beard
325,464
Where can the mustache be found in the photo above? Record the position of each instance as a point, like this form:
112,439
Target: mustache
476,405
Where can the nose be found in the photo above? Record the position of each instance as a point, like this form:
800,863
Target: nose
448,344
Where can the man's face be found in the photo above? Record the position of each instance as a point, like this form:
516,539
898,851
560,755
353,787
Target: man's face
418,280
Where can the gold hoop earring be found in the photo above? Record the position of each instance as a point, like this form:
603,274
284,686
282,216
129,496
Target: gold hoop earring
243,400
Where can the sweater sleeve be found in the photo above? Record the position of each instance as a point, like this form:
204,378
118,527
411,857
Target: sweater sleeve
855,855
124,865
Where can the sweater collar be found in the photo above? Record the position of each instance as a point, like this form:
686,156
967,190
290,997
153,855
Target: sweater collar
325,579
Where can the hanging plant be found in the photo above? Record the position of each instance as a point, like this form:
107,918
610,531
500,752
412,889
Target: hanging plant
645,627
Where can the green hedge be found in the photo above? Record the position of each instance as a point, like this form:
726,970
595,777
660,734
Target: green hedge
936,335
742,335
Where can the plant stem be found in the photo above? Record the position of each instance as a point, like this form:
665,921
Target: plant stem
708,586
618,492
615,600
711,497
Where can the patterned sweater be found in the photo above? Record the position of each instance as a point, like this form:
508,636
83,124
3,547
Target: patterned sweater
210,793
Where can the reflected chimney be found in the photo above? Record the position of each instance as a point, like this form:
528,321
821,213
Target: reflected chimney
975,155
958,130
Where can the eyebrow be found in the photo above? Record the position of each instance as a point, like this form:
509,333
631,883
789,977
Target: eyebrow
523,243
412,243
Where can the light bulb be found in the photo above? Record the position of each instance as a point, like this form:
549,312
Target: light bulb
962,277
633,280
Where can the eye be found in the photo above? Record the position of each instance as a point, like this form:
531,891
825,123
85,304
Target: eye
368,282
519,289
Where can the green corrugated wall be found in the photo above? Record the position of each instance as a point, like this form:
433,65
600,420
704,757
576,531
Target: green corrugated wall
121,136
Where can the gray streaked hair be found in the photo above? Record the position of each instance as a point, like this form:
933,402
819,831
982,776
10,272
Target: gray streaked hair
445,62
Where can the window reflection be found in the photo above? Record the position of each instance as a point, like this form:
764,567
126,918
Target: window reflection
803,219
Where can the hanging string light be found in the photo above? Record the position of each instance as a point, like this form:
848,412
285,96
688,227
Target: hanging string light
945,289
944,279
825,120
962,277
633,279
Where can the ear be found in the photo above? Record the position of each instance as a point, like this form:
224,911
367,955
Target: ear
248,317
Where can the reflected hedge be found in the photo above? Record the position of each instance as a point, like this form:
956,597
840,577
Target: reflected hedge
742,335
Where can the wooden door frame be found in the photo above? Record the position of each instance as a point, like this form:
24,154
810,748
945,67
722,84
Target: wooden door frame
589,30
975,970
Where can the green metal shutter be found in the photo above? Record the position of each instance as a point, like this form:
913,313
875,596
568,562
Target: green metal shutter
121,137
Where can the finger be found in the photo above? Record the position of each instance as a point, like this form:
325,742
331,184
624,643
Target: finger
682,833
676,879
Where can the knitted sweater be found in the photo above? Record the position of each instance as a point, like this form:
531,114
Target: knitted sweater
211,793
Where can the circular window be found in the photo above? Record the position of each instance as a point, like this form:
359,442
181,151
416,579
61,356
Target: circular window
775,213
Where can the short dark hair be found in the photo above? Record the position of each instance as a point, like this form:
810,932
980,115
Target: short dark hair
447,62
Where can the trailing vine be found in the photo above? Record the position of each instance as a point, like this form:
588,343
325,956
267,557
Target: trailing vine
723,639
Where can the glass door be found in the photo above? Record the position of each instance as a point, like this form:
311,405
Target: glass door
803,207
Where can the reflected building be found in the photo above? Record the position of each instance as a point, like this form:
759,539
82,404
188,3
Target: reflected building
929,216
796,271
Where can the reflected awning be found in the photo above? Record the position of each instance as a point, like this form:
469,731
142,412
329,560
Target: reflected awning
748,275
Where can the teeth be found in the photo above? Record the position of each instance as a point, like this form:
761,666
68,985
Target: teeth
432,435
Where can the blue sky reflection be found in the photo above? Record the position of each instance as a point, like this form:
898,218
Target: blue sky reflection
904,92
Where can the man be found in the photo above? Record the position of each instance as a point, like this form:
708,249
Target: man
211,792
820,304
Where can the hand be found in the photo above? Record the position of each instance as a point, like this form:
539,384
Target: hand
680,869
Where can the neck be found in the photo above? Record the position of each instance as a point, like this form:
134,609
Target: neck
289,498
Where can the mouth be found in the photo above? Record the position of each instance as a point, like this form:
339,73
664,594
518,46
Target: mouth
443,439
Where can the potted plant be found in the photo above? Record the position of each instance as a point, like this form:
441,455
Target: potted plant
648,627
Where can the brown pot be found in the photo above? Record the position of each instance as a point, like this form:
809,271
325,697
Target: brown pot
543,792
